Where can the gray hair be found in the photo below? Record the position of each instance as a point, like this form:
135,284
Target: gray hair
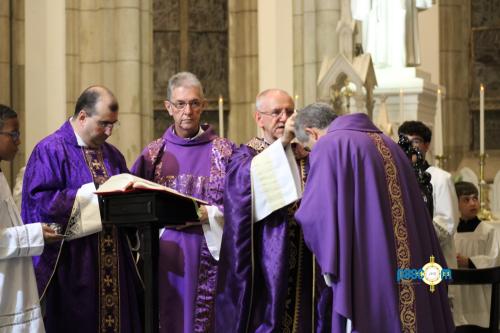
259,100
5,114
183,79
318,115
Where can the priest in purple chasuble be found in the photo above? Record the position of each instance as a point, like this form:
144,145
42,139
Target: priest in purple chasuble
89,281
364,218
191,159
265,271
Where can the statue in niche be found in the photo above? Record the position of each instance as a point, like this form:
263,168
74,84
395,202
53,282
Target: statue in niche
390,30
340,94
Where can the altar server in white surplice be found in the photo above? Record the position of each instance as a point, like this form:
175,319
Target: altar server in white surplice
478,246
19,305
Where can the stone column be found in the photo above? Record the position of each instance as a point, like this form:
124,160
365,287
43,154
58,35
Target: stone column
275,45
45,69
115,49
454,37
243,69
5,51
315,38
5,66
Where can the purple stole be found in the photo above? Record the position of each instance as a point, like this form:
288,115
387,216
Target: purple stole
109,278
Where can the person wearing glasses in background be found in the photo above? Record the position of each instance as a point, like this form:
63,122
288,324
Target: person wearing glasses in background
191,159
265,281
89,283
19,304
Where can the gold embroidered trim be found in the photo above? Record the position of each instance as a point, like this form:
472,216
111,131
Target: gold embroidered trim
109,278
257,144
407,307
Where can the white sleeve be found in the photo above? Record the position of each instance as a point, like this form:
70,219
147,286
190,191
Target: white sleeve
275,180
213,230
490,258
445,206
21,241
328,279
85,216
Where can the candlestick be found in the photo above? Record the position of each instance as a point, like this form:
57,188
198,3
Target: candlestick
221,116
481,120
438,130
401,107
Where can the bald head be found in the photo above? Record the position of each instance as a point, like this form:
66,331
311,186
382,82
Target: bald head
89,98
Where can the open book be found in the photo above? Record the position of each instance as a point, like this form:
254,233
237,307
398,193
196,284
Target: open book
126,182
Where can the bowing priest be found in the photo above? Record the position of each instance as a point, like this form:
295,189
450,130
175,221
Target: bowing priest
266,272
19,304
363,217
88,282
191,159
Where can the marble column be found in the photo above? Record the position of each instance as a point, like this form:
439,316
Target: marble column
243,69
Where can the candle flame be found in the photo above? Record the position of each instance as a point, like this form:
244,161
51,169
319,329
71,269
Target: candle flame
481,87
439,91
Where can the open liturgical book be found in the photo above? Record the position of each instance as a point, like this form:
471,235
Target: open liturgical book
85,216
126,182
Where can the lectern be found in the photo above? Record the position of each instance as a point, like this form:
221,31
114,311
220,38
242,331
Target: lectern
148,210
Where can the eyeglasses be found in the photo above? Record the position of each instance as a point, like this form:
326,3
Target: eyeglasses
278,113
195,104
15,135
417,141
108,124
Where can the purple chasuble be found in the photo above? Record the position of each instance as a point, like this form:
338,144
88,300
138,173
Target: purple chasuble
88,284
187,270
364,218
265,270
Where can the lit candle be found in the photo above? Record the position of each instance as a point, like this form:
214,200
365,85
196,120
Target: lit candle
221,116
438,127
481,120
401,107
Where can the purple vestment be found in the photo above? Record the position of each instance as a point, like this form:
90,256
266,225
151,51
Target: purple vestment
187,270
363,217
82,290
265,270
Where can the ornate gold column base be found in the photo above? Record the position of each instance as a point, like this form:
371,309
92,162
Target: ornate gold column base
439,160
484,213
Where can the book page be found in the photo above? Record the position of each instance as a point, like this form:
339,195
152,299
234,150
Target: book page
126,182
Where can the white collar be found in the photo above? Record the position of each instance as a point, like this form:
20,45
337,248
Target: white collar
200,132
